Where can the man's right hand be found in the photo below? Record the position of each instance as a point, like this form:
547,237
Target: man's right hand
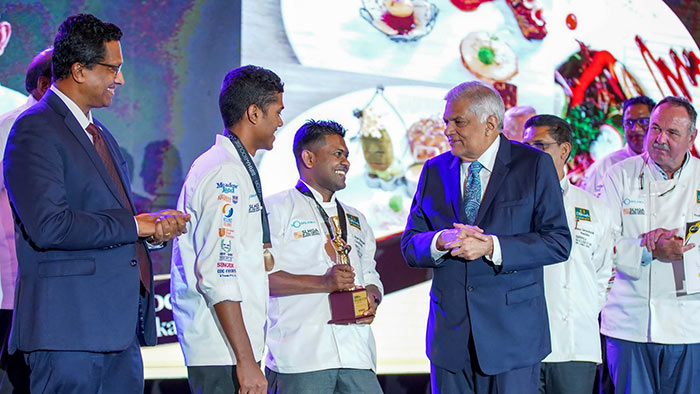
339,277
251,378
460,231
162,225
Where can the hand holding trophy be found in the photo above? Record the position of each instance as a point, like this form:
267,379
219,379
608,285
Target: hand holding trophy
347,306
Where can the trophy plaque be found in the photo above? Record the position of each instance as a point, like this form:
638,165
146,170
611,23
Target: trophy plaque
347,306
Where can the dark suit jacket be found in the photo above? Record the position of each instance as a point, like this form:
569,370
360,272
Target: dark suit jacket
502,308
78,281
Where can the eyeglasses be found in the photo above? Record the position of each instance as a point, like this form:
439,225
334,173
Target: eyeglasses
629,123
113,68
540,145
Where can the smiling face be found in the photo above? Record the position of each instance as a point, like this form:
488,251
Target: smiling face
468,136
328,164
670,136
99,82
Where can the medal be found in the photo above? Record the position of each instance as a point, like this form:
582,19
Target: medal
269,259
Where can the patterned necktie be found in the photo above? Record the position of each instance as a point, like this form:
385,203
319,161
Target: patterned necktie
472,192
102,150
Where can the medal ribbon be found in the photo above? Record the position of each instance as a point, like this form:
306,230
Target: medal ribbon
303,189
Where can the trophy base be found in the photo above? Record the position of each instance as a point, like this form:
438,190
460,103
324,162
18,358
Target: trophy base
348,307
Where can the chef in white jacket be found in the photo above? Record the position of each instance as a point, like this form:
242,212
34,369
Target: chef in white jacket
651,324
574,289
306,353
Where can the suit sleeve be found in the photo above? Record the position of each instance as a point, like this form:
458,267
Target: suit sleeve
628,250
217,254
34,177
549,242
418,236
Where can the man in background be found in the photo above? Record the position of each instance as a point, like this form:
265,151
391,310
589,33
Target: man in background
14,373
514,122
9,98
635,122
574,289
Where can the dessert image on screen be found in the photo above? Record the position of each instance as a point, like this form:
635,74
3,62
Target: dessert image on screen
488,57
530,18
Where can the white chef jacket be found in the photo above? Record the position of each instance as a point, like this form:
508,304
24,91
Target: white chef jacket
592,180
8,255
648,303
575,289
219,258
299,337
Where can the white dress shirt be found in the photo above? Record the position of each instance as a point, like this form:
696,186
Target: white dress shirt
220,258
487,160
593,178
575,289
299,336
648,302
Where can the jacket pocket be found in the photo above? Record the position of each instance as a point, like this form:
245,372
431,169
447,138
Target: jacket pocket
68,267
523,294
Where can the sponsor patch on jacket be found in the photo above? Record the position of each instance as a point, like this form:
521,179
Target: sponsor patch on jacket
582,214
227,210
299,223
633,211
227,198
353,221
254,207
697,196
306,233
227,187
226,245
225,232
225,257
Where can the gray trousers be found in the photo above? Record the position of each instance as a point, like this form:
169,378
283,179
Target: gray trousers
327,381
213,379
572,377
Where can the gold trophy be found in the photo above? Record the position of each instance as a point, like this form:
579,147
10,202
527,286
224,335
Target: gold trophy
347,306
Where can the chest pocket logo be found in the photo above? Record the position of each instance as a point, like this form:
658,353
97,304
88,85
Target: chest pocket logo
582,214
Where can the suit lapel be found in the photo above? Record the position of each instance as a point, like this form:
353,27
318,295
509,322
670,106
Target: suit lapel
72,124
500,170
454,188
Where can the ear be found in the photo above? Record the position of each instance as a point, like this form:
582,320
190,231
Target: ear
253,113
42,85
308,158
5,33
491,124
565,152
693,135
77,71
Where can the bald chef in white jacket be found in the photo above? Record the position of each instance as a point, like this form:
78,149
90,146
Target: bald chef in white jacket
306,353
652,326
575,289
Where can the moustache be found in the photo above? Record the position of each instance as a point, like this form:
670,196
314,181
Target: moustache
663,147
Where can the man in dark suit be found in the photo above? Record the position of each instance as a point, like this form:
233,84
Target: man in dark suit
84,294
486,217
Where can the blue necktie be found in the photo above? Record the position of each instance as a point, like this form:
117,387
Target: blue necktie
472,192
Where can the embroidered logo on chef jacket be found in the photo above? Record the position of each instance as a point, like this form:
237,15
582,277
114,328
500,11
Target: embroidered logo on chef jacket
633,211
227,187
353,221
306,233
697,198
582,214
227,210
226,232
226,245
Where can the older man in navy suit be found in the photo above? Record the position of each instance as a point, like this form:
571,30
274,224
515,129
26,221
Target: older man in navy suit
486,217
84,293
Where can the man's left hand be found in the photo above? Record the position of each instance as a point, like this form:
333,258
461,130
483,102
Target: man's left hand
471,247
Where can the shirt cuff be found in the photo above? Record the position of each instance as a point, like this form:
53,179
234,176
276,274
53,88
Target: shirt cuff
496,258
646,257
434,252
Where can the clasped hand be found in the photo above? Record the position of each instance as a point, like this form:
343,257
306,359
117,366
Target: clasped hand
665,245
163,225
465,241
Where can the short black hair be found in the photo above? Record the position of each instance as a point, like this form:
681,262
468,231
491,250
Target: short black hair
638,100
39,67
244,86
81,38
677,101
312,132
559,129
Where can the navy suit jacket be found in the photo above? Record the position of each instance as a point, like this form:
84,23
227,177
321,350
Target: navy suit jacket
78,281
502,308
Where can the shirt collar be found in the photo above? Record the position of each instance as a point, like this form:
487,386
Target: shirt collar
83,120
318,195
565,185
31,100
676,174
488,158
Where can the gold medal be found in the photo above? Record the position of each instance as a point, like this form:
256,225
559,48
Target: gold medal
269,259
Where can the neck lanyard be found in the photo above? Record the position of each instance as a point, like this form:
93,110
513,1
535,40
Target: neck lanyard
303,189
255,178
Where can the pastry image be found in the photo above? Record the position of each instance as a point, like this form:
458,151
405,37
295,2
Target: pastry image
530,18
377,147
487,57
400,20
426,138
